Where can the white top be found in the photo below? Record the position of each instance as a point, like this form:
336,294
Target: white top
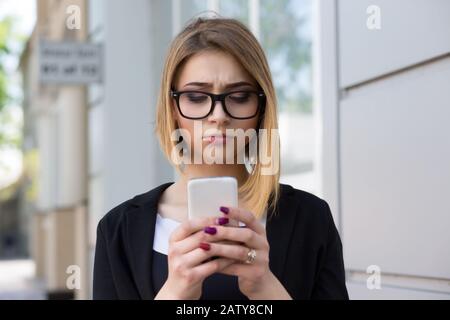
165,226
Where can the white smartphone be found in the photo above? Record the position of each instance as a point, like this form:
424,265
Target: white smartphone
206,195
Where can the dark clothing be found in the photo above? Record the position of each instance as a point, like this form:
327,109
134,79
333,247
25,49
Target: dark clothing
215,287
305,248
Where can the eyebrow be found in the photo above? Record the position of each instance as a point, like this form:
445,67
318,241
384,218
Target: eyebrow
210,85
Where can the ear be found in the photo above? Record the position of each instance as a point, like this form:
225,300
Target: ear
262,113
260,119
173,109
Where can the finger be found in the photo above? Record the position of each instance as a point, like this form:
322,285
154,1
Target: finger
233,251
244,235
187,244
208,268
195,257
244,216
239,270
190,243
188,227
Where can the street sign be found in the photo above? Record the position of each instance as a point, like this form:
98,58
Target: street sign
70,62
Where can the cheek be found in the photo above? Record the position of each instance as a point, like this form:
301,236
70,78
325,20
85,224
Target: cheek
250,124
188,126
246,125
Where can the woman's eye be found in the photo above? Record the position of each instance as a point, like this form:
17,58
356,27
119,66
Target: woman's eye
240,97
197,97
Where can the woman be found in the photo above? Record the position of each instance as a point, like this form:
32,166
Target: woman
216,75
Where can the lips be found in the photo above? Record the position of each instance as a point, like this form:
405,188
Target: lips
216,138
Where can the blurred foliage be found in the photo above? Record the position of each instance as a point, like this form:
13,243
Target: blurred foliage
30,174
10,191
287,48
10,132
5,36
236,9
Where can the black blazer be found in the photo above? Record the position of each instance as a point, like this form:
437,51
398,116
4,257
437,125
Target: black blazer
305,248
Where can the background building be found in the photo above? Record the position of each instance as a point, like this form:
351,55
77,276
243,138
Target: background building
362,123
383,101
55,127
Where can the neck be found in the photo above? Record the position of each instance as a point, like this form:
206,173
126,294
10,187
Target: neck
202,171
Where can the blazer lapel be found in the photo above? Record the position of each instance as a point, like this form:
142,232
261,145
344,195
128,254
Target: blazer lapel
279,230
140,229
140,232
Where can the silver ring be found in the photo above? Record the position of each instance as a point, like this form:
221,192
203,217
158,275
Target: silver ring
251,256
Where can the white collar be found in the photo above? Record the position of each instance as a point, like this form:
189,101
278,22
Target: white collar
164,228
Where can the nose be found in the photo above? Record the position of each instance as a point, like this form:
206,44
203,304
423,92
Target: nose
219,115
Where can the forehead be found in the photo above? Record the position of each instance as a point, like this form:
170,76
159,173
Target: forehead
214,67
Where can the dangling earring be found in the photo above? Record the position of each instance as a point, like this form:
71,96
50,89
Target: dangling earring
182,164
250,155
250,164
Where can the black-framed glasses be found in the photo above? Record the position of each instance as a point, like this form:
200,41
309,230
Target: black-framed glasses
242,104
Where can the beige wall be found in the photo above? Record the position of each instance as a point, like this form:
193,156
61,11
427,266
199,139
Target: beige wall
59,227
383,105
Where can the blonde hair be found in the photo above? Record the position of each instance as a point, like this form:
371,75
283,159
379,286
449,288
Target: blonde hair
260,192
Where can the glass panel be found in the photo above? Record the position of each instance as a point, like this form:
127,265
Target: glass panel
191,8
285,33
286,38
236,9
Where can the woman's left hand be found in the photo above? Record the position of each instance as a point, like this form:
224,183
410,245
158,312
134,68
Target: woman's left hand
256,281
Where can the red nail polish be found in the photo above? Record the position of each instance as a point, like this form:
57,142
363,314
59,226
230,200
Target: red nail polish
210,230
224,210
205,246
222,220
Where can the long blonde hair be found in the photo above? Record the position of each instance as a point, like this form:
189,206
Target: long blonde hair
260,191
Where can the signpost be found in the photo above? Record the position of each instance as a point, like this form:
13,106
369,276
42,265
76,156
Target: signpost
70,63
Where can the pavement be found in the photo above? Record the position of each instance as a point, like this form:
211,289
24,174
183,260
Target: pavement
18,282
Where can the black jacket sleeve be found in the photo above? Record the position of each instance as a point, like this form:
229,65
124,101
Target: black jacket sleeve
103,287
330,281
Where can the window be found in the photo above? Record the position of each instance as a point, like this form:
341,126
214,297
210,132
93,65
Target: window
283,28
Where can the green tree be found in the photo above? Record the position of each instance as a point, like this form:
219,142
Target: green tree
284,36
5,35
288,48
8,40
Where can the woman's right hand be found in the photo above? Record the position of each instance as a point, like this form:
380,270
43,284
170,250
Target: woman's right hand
186,261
